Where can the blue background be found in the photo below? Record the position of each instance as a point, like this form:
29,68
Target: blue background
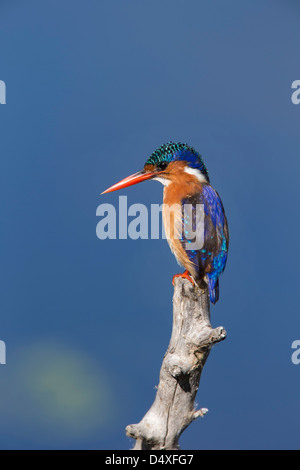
93,87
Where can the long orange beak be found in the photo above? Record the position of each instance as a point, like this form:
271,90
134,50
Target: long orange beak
130,180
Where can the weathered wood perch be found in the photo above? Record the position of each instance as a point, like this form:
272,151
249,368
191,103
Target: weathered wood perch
191,341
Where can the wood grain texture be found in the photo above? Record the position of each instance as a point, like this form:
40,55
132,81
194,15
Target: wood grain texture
191,341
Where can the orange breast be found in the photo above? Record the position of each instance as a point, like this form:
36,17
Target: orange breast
181,186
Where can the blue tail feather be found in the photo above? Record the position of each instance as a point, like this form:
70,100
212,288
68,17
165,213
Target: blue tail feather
213,288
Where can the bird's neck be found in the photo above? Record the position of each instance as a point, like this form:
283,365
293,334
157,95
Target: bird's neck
181,187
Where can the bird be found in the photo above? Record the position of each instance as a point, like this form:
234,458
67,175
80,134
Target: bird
182,171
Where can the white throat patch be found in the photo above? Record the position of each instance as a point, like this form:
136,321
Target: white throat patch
163,181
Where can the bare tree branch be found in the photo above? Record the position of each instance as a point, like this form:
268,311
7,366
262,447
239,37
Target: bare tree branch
191,341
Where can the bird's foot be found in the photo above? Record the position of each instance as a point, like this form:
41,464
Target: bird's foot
185,275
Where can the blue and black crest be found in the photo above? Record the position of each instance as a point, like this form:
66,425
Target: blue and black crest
172,151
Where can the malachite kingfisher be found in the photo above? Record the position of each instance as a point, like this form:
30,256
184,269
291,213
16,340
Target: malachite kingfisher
181,169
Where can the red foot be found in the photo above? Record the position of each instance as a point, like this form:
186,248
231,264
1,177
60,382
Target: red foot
185,275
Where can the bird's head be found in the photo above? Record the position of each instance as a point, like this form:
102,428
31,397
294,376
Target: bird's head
166,164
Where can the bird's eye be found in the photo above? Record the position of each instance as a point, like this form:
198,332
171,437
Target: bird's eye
162,165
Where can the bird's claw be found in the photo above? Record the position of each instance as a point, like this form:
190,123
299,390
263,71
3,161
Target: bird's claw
185,275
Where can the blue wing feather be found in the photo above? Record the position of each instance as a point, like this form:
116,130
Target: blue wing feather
210,260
